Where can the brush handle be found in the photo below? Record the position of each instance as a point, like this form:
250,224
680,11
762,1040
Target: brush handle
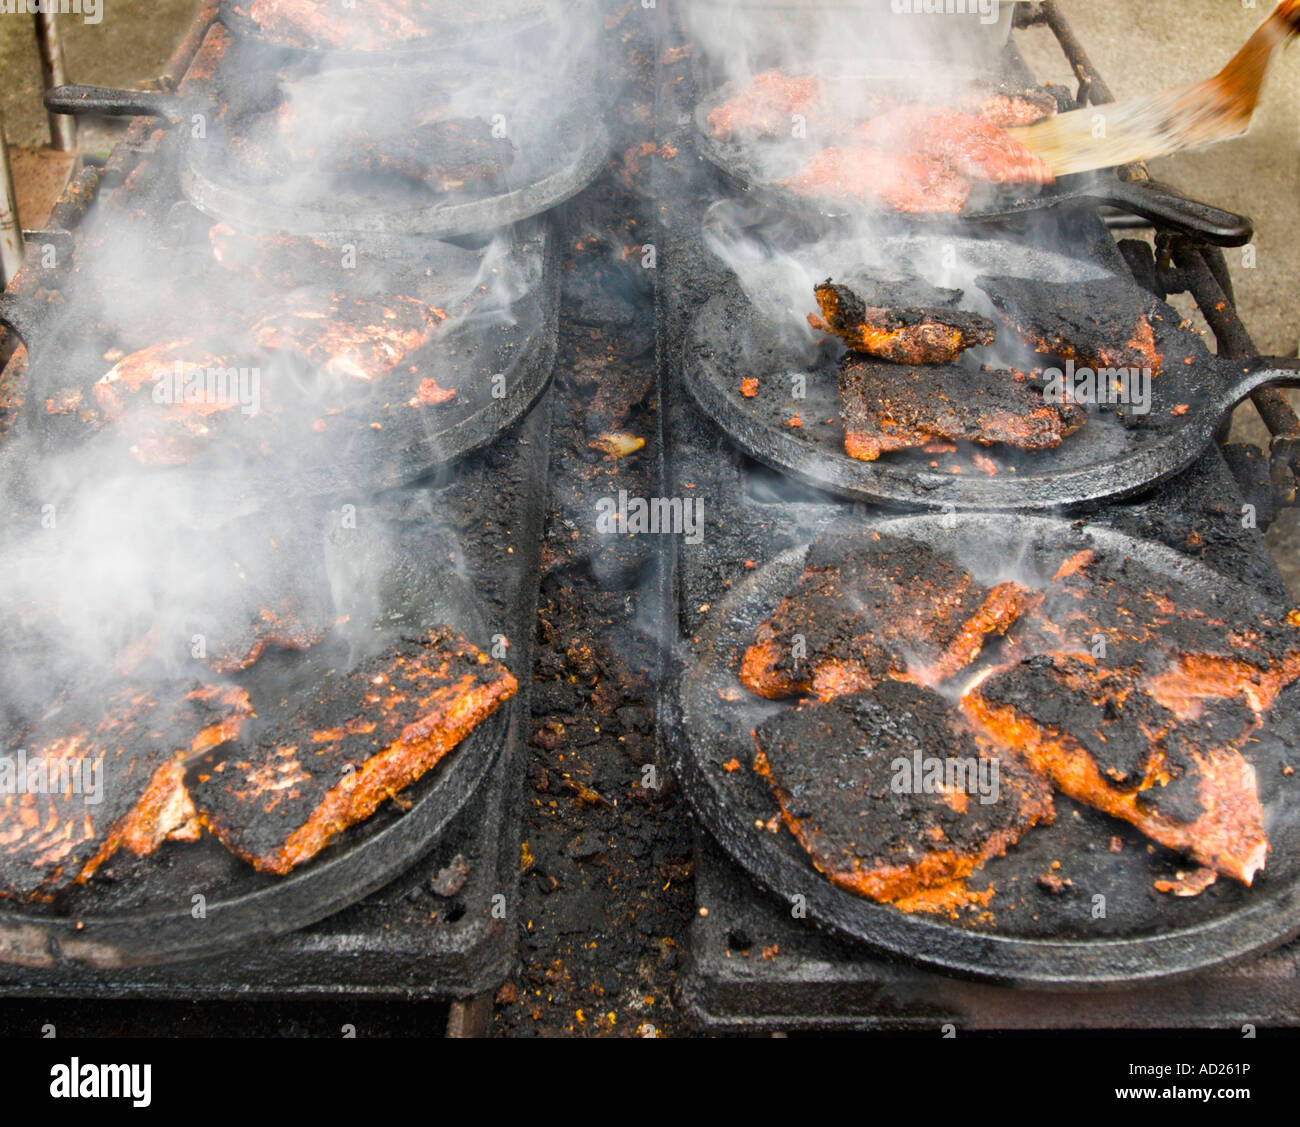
1169,209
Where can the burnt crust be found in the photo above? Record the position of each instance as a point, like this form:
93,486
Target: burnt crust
833,765
363,738
137,733
1102,322
889,407
873,605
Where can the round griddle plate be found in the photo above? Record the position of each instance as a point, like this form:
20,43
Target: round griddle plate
370,445
570,165
559,145
732,338
1036,939
140,911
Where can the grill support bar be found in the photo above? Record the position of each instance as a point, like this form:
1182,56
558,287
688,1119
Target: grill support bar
1196,273
54,72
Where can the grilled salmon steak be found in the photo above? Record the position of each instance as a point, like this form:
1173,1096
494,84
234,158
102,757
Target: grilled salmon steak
361,741
347,336
888,407
103,772
905,182
870,608
906,321
1101,323
856,787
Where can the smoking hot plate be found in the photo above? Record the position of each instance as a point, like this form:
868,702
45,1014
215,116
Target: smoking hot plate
756,329
393,574
1035,938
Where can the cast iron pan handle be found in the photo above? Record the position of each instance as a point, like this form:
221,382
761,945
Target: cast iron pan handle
1162,205
1267,371
114,103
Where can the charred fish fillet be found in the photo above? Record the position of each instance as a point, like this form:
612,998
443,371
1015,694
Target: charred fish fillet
105,773
888,407
906,321
359,743
1107,743
861,173
1102,323
1191,648
348,336
869,608
834,767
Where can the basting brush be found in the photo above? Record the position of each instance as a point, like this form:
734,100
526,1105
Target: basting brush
1143,128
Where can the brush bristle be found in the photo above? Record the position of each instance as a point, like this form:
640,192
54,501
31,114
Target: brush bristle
1144,128
1106,136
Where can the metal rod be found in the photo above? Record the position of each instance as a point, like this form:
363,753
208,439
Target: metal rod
1084,71
1092,87
11,231
54,72
1274,408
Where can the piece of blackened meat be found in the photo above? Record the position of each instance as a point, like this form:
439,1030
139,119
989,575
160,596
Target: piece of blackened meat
972,145
870,608
1186,647
889,407
865,174
363,739
906,321
835,767
1138,694
1100,323
1106,742
348,336
101,772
